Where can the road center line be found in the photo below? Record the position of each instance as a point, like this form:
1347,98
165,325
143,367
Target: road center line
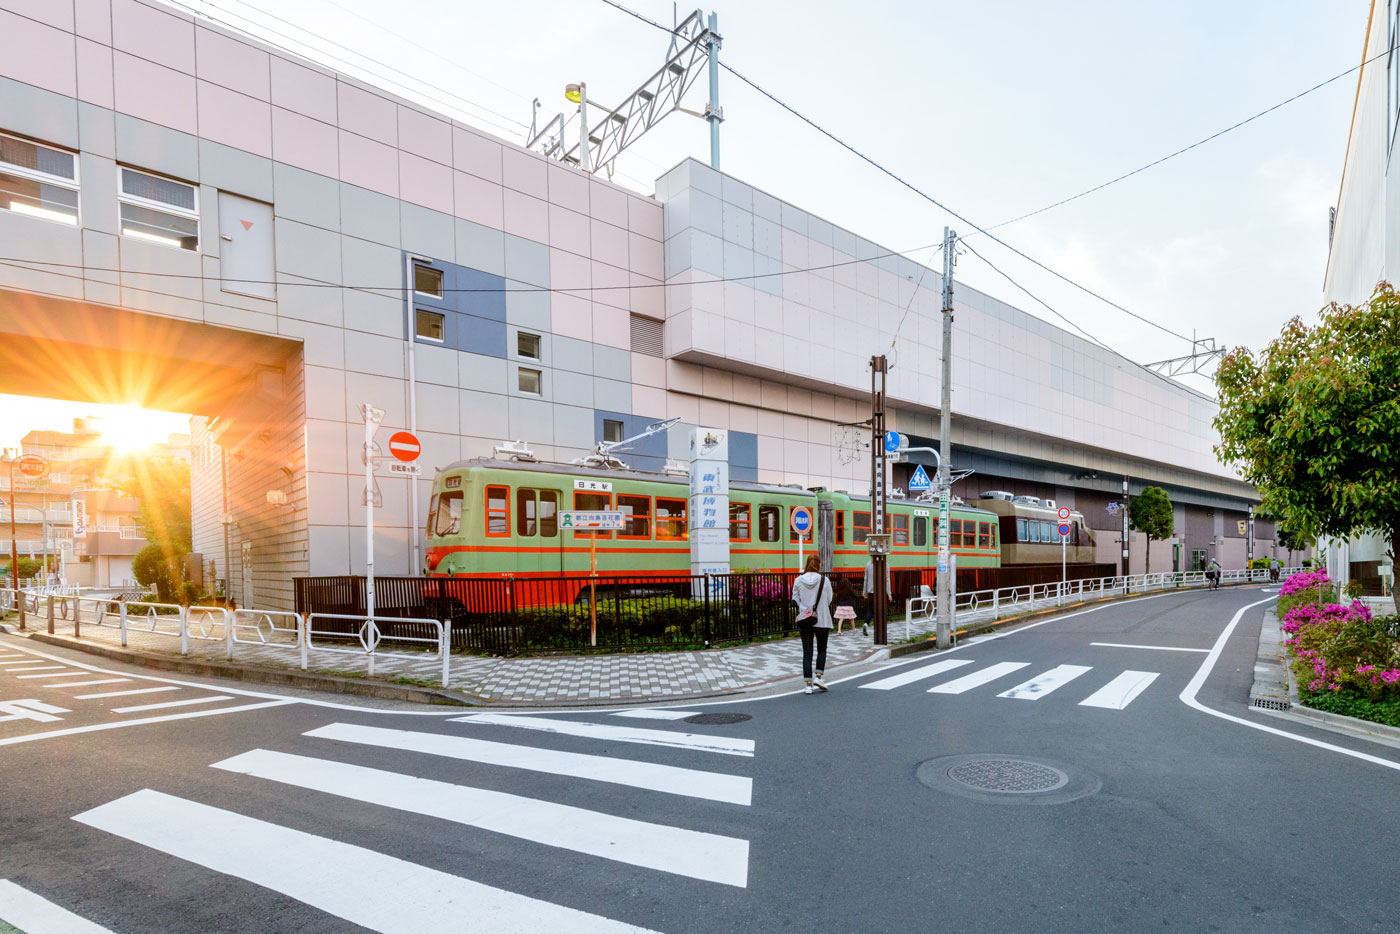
1188,697
1155,648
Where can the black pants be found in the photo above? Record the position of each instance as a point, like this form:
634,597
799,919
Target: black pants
807,631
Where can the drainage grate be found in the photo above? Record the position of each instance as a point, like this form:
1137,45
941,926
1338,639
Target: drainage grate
718,719
1272,704
1009,776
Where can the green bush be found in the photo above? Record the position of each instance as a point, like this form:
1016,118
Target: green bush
1349,704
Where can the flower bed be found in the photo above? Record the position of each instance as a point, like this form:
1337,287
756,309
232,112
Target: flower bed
1346,660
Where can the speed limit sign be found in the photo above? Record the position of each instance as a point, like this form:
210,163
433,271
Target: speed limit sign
1064,513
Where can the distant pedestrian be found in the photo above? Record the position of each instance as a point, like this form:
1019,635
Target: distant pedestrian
868,590
845,605
813,598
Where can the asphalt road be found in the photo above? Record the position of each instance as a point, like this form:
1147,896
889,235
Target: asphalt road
1065,776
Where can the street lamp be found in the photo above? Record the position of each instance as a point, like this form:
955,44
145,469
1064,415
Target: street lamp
578,94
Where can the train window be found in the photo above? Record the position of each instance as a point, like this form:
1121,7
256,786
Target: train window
955,533
899,525
994,536
920,531
1032,530
432,513
638,511
526,512
498,511
840,526
768,522
549,513
792,535
670,518
448,515
739,522
860,527
592,502
1047,531
1022,535
984,535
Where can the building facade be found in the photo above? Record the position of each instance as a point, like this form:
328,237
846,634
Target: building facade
273,244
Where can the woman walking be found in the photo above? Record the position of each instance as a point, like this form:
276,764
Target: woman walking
813,598
845,605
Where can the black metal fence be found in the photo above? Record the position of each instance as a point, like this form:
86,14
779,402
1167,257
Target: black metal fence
538,615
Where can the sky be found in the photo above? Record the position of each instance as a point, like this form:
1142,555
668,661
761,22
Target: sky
994,108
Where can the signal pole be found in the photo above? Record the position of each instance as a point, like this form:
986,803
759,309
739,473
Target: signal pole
879,550
944,627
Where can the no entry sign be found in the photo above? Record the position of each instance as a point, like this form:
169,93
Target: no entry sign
404,446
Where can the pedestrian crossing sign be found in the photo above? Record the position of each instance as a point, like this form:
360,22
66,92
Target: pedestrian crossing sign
919,481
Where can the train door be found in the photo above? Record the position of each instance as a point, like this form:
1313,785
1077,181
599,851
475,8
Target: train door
527,530
826,534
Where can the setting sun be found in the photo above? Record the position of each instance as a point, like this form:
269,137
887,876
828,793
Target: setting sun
128,428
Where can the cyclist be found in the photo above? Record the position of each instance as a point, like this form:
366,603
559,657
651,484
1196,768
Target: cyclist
1275,565
1213,574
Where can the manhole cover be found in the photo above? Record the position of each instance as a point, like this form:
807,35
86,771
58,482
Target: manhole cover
1010,776
718,719
999,778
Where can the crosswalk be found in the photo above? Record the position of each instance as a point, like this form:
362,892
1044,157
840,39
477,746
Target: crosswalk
1116,694
495,773
54,690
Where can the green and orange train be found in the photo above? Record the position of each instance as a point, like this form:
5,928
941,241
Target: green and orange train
492,517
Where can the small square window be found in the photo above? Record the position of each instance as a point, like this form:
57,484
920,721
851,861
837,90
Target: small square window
160,210
612,430
430,325
530,381
527,345
427,281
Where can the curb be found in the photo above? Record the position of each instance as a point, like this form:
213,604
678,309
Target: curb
1333,722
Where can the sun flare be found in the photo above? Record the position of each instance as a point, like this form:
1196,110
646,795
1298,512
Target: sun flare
129,428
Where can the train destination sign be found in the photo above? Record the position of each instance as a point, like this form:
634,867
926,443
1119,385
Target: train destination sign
609,519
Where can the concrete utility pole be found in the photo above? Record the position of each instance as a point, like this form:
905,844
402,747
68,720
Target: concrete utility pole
879,546
1125,525
944,627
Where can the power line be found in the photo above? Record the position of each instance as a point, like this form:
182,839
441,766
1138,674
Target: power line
1186,149
907,184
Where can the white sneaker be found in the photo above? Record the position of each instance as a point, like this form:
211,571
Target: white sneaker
810,689
865,629
820,683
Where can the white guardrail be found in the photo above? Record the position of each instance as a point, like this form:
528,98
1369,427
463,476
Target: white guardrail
370,637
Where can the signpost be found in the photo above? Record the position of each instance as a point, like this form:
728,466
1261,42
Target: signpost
919,481
31,467
801,524
709,509
603,520
1064,543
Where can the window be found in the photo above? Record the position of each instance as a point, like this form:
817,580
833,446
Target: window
860,527
994,536
160,210
526,513
792,535
527,345
448,519
739,530
1021,532
427,280
1047,531
955,533
530,381
920,531
430,325
840,526
670,519
592,502
38,180
638,512
984,535
769,518
899,525
612,429
432,512
498,511
549,514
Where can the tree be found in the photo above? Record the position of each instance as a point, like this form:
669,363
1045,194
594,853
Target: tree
1150,512
151,565
162,485
1313,421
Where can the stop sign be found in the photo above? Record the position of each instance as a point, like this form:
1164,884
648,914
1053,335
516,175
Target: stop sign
404,446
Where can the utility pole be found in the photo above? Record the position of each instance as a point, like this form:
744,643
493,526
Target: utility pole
879,546
1125,525
1249,557
713,112
944,628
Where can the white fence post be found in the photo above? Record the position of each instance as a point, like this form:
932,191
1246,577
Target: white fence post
446,652
184,630
122,616
229,623
302,638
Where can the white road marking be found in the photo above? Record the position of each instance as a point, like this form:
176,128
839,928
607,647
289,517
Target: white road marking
30,709
1043,684
693,853
11,669
977,678
917,674
123,693
652,714
711,786
1157,648
83,684
123,724
23,909
1121,691
13,655
401,897
63,674
175,703
700,742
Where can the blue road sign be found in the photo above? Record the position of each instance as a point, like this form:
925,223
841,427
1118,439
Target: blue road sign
919,481
801,520
1064,529
891,441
